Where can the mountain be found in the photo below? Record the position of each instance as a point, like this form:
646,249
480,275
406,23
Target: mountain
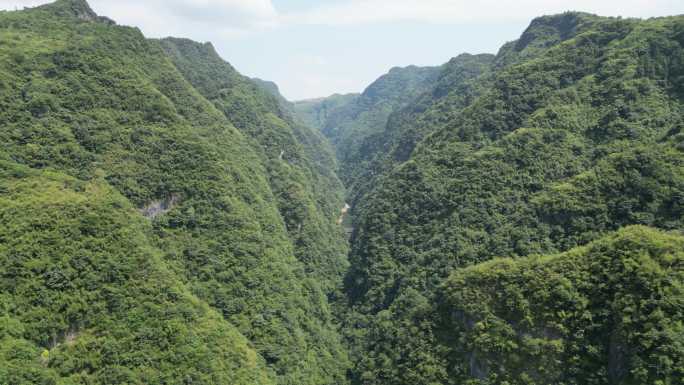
315,112
159,227
349,119
409,123
298,163
518,218
592,314
567,135
86,296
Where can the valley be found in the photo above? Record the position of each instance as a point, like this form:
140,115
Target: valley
507,218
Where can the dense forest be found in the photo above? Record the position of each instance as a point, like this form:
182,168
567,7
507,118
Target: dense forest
158,227
568,134
516,218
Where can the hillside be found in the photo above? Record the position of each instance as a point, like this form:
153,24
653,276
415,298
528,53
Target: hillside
571,132
232,227
298,162
87,298
316,112
516,218
347,120
608,312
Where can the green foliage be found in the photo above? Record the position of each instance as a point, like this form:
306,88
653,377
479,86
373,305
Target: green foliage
167,220
109,108
448,94
572,132
299,166
87,298
316,112
348,120
610,312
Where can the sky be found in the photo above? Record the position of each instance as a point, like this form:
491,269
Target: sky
314,48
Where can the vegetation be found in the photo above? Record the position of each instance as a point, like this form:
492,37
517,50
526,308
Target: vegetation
238,232
315,112
299,165
609,312
348,120
568,134
87,298
308,202
408,124
518,218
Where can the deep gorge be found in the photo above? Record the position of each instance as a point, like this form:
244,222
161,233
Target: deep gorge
508,218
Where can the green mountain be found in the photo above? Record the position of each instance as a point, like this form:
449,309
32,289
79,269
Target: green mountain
173,230
568,134
377,130
608,312
518,218
299,164
86,296
315,112
407,125
347,120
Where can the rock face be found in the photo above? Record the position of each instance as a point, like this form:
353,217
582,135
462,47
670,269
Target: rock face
343,213
160,207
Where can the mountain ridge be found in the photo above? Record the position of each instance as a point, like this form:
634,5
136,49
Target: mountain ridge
105,107
567,135
516,218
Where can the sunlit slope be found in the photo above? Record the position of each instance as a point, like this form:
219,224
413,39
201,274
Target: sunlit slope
86,297
98,102
574,131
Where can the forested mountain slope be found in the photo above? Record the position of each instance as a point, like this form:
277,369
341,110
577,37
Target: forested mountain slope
349,119
609,312
87,298
315,112
407,125
518,217
299,164
571,132
314,143
152,233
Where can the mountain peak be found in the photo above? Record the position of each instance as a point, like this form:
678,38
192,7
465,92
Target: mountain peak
548,30
75,8
268,85
193,48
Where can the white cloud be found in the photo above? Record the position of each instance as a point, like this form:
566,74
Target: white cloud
201,19
253,34
352,12
19,4
197,18
234,18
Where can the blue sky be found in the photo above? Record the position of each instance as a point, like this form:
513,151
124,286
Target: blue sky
316,48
